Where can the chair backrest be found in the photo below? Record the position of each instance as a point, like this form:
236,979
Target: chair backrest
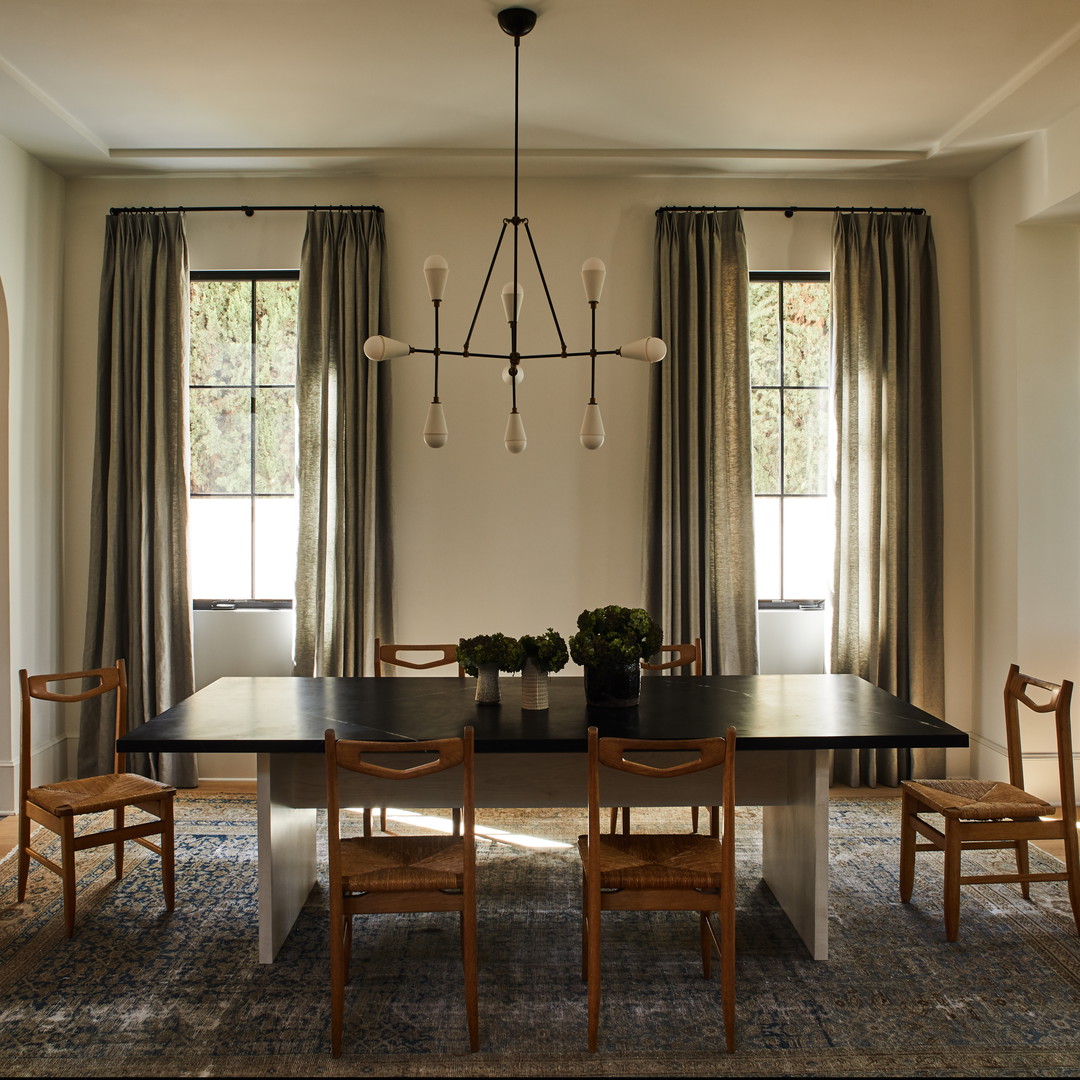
682,656
1058,701
712,753
353,754
390,653
36,687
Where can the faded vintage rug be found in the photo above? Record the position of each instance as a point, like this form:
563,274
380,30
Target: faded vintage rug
139,992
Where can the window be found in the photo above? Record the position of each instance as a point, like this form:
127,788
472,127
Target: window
242,394
789,377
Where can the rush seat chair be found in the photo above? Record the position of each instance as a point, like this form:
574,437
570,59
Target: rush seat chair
58,806
982,814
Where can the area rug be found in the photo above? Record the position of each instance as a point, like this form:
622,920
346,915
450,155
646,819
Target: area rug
140,992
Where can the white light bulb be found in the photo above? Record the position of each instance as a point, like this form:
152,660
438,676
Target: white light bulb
592,427
436,270
508,378
435,429
515,433
593,272
649,349
385,348
513,311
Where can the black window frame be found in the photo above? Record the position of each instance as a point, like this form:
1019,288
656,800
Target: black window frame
783,277
231,603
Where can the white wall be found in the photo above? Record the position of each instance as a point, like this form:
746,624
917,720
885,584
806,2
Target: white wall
484,540
1026,210
30,476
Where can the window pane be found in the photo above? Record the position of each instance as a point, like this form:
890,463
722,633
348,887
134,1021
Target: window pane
767,547
808,547
275,441
765,426
806,333
764,333
220,441
275,548
220,333
806,441
275,332
219,548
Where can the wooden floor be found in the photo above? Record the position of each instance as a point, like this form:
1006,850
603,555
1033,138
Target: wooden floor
9,835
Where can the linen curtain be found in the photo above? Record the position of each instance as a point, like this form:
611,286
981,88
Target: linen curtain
344,569
888,577
699,531
138,602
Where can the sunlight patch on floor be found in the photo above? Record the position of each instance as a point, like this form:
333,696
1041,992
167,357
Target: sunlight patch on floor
484,832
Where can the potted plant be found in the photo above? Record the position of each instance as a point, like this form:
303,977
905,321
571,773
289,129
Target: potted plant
484,656
544,653
610,644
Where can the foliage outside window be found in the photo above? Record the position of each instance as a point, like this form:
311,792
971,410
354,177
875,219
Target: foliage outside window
790,379
242,531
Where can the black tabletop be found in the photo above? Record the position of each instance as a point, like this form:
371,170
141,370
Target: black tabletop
769,712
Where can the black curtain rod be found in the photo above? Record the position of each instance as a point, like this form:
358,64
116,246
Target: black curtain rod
248,210
791,211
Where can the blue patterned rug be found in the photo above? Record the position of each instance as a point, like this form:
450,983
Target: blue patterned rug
139,992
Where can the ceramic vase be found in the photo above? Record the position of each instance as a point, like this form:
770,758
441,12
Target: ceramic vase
487,684
534,687
613,686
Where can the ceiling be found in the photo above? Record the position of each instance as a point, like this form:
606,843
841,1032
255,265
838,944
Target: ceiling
635,87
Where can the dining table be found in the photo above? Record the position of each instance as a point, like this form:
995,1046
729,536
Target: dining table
786,726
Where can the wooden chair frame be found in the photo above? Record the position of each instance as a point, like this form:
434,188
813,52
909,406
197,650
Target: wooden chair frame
129,790
958,835
351,755
684,655
390,653
597,897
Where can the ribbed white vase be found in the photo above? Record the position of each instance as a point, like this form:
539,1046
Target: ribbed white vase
534,687
487,684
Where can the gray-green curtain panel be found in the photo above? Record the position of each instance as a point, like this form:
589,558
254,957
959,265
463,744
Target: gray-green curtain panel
887,603
344,573
139,603
699,514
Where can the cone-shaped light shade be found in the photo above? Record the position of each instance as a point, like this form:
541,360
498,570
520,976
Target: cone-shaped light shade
435,271
592,427
435,430
385,348
508,378
649,349
593,272
513,312
515,433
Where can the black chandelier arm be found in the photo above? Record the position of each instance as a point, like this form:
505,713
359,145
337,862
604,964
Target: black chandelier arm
543,281
487,281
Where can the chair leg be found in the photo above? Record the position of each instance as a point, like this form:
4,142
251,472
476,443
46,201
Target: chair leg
907,847
727,972
168,853
1022,867
67,875
382,818
952,882
24,855
338,934
584,928
693,819
626,821
455,821
367,820
593,969
706,945
468,947
118,847
614,820
1072,866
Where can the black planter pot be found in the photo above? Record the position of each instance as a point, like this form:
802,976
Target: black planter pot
613,687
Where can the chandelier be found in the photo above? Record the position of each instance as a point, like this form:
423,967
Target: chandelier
516,22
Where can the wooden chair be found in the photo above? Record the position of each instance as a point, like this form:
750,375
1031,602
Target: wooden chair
382,874
653,872
56,806
391,654
980,814
682,656
386,653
